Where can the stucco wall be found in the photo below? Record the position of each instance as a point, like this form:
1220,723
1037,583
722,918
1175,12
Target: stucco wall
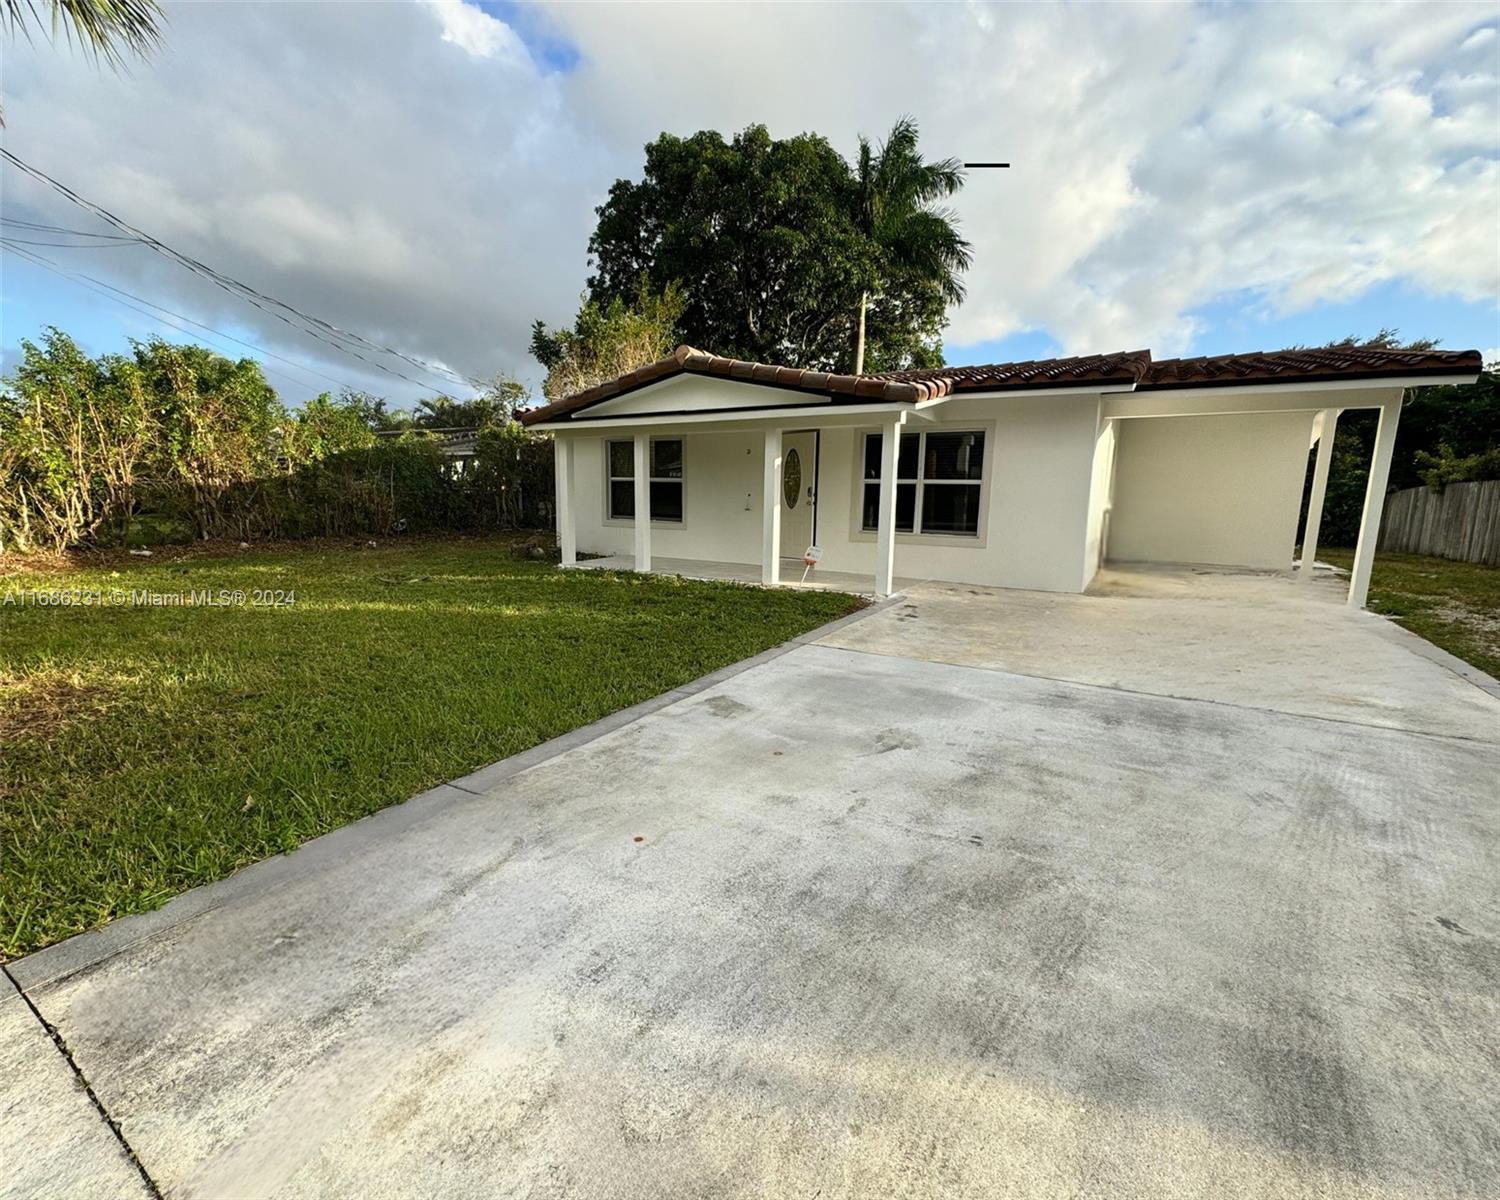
1039,472
1223,490
1039,456
720,471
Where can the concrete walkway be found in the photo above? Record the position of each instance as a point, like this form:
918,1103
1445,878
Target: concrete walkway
987,894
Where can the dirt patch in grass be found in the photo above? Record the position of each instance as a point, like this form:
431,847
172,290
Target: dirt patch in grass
42,704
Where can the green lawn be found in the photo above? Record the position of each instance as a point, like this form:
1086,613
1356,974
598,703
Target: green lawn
1454,605
148,750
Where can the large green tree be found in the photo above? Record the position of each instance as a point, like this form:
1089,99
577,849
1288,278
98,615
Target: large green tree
767,240
917,250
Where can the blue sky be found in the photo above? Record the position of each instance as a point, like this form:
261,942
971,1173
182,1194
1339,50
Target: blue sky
425,173
1237,322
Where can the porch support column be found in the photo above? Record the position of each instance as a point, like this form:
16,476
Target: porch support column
1327,420
770,540
1369,521
567,531
642,502
885,522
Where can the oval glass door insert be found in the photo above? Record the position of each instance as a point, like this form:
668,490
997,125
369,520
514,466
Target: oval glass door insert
791,478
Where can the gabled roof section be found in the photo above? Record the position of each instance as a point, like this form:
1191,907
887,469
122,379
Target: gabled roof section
685,360
894,387
1307,366
1130,369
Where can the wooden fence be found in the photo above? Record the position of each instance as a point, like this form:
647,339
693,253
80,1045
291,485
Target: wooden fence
1460,522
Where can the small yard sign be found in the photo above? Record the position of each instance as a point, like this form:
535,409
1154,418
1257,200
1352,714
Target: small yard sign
810,558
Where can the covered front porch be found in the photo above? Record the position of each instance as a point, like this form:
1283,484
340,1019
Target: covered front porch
694,484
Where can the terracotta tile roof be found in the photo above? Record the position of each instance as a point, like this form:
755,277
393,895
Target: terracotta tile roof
1132,367
1129,366
1307,366
688,361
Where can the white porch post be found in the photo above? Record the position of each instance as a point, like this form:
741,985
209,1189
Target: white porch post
1369,521
567,528
1327,420
642,502
770,542
885,522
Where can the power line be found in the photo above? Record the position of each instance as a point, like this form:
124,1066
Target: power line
244,291
235,286
88,281
41,228
110,245
155,317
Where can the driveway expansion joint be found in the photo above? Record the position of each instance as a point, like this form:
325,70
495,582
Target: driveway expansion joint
1110,687
88,1088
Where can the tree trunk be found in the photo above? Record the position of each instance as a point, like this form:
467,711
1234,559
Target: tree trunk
859,339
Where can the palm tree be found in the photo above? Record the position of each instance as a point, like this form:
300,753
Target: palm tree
107,29
897,212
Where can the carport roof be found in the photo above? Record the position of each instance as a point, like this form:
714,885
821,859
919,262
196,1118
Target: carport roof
1130,369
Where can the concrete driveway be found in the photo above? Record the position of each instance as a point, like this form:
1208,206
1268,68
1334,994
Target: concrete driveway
1187,888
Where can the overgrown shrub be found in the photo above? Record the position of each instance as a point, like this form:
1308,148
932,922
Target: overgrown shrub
176,441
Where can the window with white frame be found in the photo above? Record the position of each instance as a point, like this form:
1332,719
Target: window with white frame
939,478
665,465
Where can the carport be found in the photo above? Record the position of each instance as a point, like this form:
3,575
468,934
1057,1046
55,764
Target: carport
1209,470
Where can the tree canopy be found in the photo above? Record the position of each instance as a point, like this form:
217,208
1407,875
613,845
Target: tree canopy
914,243
607,340
774,244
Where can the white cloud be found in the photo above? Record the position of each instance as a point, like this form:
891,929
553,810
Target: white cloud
476,31
415,172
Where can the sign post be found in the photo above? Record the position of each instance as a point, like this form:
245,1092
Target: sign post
810,559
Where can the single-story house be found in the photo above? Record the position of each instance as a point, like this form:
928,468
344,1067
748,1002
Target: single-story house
1025,475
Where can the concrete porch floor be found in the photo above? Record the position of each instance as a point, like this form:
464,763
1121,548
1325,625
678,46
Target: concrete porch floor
791,573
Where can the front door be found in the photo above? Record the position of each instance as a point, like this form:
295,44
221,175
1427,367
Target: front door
799,492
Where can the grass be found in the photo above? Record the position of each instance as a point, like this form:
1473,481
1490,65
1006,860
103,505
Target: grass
1455,605
151,749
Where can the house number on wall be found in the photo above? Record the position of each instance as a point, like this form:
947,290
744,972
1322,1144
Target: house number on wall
791,478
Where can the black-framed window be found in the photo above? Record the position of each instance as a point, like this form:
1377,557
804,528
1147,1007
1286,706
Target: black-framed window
939,481
665,482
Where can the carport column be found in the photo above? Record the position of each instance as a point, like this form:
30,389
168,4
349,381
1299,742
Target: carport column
770,539
642,502
567,530
885,520
1327,420
1369,521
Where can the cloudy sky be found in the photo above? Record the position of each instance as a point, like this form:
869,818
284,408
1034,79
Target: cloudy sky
1191,179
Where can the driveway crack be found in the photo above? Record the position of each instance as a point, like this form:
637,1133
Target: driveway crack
62,1048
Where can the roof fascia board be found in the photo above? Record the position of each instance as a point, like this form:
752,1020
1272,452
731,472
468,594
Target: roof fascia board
1092,389
1228,401
1367,383
822,415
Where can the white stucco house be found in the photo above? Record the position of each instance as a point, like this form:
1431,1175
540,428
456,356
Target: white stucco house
1025,475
